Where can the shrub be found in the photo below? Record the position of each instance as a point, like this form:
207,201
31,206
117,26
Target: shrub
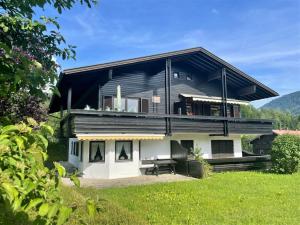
285,154
27,187
207,168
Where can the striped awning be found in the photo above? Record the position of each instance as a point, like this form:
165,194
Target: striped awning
203,98
96,137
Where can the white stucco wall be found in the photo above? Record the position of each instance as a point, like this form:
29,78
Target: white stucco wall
162,149
149,150
73,159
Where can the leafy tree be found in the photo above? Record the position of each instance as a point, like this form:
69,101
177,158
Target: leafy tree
21,105
282,120
27,46
285,154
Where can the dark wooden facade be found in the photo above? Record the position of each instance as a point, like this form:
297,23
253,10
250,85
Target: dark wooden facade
165,77
83,121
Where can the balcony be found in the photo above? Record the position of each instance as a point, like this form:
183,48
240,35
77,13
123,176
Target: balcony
93,121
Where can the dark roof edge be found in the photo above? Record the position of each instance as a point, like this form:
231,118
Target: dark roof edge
131,61
165,55
233,68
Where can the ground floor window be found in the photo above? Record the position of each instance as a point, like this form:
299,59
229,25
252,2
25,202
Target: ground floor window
189,145
97,151
81,151
123,150
222,148
75,148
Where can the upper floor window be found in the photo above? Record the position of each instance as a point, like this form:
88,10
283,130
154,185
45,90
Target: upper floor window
133,105
176,75
144,105
127,104
215,110
123,104
108,103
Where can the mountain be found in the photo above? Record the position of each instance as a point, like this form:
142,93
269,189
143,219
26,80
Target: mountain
289,103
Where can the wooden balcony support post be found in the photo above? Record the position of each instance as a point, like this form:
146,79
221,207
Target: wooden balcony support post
224,100
168,71
100,97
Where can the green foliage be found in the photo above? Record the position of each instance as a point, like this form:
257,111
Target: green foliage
282,120
26,185
246,145
285,154
18,106
28,46
207,168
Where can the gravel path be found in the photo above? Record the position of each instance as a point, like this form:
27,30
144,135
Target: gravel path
131,181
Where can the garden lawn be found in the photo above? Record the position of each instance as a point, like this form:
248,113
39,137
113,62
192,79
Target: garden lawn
225,198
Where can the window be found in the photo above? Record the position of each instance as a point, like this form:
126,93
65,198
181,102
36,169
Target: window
123,150
176,75
236,111
76,148
215,110
81,151
189,77
130,104
97,151
189,145
144,105
123,104
133,105
107,103
222,148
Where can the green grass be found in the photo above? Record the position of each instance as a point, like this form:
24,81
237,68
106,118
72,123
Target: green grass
228,198
225,198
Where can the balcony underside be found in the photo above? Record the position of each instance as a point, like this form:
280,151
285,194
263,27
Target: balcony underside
82,121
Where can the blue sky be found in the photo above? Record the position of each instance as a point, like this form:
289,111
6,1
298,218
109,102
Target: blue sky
262,38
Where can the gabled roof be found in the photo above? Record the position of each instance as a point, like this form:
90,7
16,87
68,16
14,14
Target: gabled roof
198,58
167,55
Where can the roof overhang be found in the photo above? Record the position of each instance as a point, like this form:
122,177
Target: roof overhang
199,58
121,137
214,99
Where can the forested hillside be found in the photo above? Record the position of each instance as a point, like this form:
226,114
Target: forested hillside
289,103
282,120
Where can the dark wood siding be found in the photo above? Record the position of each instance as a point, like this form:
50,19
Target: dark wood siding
92,124
195,126
87,121
143,83
249,127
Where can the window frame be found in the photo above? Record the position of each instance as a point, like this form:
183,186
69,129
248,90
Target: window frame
112,102
90,145
131,152
141,105
133,98
81,151
178,75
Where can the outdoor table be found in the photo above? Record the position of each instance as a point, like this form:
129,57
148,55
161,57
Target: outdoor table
162,163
